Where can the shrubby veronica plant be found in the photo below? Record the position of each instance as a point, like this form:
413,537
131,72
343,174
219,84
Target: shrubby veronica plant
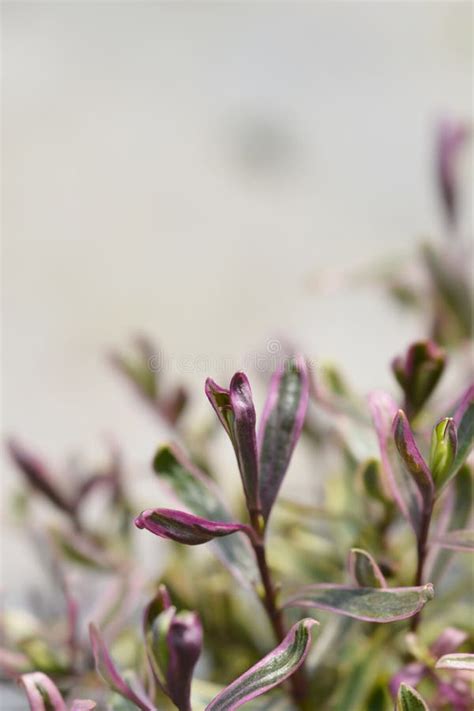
376,557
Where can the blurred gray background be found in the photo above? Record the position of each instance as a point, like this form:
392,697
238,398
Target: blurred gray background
194,170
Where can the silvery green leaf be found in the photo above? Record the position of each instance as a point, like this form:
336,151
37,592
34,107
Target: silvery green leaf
280,427
368,604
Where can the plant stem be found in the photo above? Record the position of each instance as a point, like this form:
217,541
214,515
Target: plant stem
421,559
297,680
269,599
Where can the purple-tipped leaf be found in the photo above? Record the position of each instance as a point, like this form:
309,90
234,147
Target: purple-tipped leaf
236,411
270,671
367,604
38,476
457,540
364,571
409,699
184,641
183,527
83,705
42,693
108,671
200,495
418,373
412,459
450,139
401,483
464,662
280,427
173,644
245,437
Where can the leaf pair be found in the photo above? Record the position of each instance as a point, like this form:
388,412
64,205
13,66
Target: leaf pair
413,484
236,412
263,466
368,598
173,644
452,441
43,695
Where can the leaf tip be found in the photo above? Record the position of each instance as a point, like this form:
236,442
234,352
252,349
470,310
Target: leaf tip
428,592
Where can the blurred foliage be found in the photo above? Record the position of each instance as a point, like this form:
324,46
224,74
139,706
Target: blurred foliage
96,575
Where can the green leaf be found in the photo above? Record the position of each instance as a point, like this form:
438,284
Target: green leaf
409,699
371,476
199,494
464,421
367,604
443,450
